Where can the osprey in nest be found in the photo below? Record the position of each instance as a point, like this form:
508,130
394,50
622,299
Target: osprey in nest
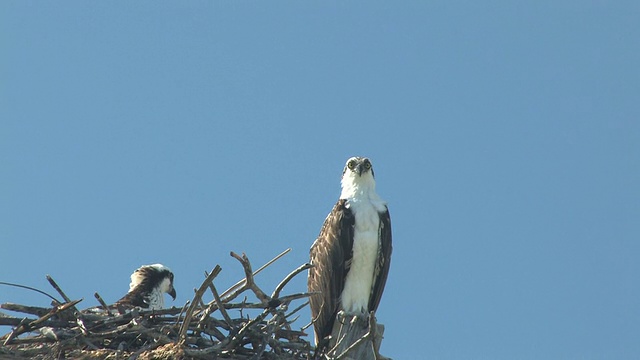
147,288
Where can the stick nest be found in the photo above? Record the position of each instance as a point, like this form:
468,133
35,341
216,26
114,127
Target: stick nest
262,330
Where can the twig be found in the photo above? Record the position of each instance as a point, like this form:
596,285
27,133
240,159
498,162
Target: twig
250,284
32,325
243,281
23,324
196,299
213,331
33,310
219,304
183,309
89,344
283,283
200,302
298,309
102,303
13,321
31,288
237,337
131,326
145,348
290,298
55,286
59,290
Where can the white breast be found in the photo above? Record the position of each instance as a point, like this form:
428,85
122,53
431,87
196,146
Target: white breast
359,281
156,300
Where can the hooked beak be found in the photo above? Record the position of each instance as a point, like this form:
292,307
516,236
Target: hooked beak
359,169
172,292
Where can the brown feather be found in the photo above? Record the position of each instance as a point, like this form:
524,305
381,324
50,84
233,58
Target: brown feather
384,261
331,256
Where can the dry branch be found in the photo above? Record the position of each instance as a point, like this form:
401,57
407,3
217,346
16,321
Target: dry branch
243,281
102,303
196,300
27,325
32,310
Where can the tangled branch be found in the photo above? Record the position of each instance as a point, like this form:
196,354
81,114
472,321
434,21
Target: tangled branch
191,332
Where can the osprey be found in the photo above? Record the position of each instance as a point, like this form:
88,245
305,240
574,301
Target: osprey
351,256
147,287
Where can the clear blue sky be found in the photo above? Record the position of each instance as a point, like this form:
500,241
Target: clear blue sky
505,137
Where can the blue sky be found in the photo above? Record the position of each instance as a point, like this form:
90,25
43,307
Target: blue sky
504,135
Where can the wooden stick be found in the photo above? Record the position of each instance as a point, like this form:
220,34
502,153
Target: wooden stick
32,289
243,281
285,281
17,331
238,337
220,306
249,283
32,325
102,303
59,290
196,300
200,302
55,286
184,309
33,310
298,308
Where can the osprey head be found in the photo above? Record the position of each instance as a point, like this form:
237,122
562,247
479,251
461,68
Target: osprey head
358,165
156,276
357,177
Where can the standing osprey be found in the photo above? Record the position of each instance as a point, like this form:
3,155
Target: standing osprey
147,288
351,255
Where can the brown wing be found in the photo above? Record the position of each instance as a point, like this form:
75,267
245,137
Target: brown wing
384,260
331,256
134,298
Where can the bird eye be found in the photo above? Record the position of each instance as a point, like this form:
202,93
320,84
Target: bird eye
367,165
351,164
